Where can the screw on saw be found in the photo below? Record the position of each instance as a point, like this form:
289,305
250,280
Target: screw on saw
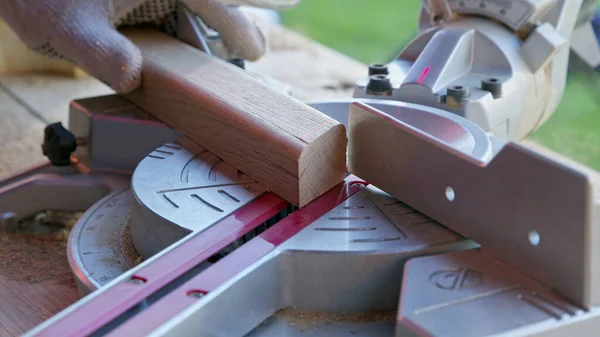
379,85
378,69
534,238
362,183
493,85
136,280
455,94
450,194
196,293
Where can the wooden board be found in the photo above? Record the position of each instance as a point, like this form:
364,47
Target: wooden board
295,151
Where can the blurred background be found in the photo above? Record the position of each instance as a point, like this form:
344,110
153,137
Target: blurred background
376,30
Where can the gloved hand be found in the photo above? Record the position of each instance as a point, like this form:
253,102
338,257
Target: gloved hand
83,31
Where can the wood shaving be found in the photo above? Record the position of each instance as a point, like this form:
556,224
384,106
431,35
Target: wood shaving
131,255
305,319
39,253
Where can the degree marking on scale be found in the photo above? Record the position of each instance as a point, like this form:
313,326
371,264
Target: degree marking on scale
420,222
197,197
155,157
103,222
202,187
380,212
163,152
185,172
171,146
212,173
223,192
170,201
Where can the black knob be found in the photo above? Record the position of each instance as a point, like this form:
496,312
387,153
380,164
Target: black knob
59,144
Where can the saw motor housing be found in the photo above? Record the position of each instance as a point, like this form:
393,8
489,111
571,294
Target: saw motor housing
502,65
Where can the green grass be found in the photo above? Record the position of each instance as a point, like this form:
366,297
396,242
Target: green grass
574,129
367,30
375,30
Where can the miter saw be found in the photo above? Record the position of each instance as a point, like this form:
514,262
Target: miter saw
476,235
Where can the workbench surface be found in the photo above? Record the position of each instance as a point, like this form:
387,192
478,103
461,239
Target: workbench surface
35,279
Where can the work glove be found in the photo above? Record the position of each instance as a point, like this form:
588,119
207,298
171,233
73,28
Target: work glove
84,32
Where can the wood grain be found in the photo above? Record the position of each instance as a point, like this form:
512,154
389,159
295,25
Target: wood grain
295,151
27,305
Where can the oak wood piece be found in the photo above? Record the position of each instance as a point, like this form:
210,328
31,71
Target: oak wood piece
295,151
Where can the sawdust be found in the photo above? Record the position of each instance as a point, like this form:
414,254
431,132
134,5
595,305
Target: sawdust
306,319
131,255
123,254
39,253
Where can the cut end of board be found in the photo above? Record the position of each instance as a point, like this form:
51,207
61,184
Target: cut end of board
322,164
292,149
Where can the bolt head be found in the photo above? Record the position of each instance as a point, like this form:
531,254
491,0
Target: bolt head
493,85
136,280
379,84
378,69
196,294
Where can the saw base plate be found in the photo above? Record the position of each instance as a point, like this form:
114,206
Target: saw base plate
180,188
